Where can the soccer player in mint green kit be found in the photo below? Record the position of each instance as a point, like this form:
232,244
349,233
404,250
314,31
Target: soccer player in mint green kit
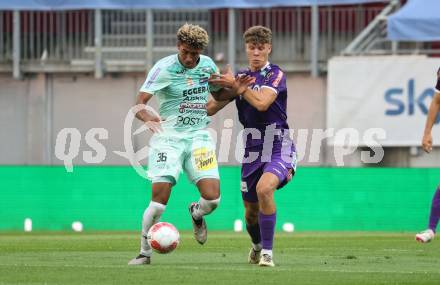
434,216
180,142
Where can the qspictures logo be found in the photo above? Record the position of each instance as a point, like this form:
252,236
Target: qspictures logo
345,143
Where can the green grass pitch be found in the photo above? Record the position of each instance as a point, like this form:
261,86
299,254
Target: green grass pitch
301,258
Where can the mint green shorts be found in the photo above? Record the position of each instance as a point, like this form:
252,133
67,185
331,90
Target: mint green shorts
194,153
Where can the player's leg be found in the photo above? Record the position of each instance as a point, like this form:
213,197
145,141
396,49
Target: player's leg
164,161
250,202
253,229
435,211
428,235
161,192
266,187
201,167
276,174
209,189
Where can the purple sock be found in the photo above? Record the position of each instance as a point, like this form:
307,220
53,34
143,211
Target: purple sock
254,233
267,229
435,211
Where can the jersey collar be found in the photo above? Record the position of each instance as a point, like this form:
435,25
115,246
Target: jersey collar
264,70
186,68
265,66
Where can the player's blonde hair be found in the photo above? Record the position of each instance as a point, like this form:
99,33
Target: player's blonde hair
193,35
258,35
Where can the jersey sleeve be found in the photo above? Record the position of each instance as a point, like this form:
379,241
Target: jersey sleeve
275,80
157,79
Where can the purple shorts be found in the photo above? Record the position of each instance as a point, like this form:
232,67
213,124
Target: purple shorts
282,164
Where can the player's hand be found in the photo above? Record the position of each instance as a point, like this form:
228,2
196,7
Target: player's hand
427,143
242,83
154,124
224,79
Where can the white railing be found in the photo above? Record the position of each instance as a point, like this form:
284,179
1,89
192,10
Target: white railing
131,40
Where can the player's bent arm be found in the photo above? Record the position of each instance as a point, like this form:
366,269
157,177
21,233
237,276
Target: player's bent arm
213,106
224,94
434,109
260,99
143,115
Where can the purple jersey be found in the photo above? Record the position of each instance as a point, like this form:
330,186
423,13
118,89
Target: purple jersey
276,152
271,76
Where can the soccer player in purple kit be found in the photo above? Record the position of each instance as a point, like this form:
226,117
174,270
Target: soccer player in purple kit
434,108
262,109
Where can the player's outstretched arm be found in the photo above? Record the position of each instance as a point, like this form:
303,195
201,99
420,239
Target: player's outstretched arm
434,109
213,106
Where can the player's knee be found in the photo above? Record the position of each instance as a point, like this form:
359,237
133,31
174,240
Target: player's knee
264,191
209,190
215,193
211,195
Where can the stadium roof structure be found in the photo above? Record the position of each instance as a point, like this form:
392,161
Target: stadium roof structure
166,4
418,20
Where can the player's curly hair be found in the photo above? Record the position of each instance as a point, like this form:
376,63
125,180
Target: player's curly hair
193,35
258,35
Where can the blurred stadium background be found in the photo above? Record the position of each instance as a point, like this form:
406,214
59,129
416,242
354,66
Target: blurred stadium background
79,64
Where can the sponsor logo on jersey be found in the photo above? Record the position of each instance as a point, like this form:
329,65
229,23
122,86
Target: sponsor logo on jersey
269,74
188,121
193,106
267,77
203,80
196,90
194,98
189,81
277,80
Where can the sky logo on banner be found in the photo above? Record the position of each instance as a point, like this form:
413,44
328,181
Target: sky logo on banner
403,101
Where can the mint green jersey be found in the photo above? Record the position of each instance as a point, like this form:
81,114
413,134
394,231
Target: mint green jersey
182,92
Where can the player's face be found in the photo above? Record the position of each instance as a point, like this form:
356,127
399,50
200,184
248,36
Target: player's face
188,57
257,54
